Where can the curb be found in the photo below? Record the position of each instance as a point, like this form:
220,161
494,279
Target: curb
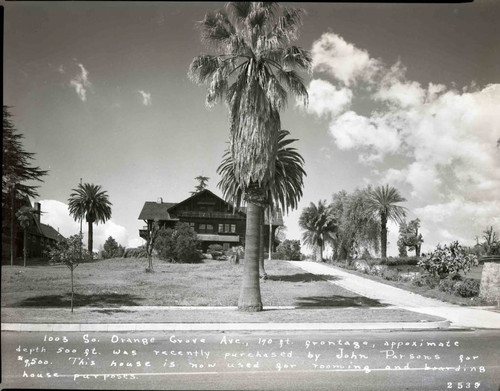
445,324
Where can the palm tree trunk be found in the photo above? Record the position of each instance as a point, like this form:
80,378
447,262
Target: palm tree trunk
383,235
261,244
12,229
321,252
250,299
90,240
270,236
25,239
72,290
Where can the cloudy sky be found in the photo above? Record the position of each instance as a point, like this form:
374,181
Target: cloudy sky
402,94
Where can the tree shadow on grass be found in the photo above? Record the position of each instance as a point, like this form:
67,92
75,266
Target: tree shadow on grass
79,300
303,277
337,301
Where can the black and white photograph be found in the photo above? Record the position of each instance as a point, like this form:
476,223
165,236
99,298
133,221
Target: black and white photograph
251,195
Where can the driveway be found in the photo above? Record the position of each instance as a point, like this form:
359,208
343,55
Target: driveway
458,316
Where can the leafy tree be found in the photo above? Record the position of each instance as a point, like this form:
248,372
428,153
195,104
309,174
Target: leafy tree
89,201
18,175
111,249
69,252
289,249
178,245
409,236
381,202
253,67
319,224
202,184
285,193
357,230
25,217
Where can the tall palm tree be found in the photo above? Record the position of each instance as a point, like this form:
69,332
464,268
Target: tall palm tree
25,216
288,182
381,202
89,201
319,225
254,66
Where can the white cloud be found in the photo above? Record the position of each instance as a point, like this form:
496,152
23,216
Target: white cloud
373,135
333,55
445,141
146,97
56,214
81,83
324,98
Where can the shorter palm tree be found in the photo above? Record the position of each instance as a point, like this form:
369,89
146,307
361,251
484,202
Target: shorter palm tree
89,201
319,224
284,193
381,202
25,217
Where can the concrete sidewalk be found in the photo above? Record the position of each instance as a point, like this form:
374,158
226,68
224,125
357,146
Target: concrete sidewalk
387,294
216,319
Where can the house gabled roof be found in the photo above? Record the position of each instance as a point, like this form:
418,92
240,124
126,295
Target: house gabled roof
156,210
206,191
50,232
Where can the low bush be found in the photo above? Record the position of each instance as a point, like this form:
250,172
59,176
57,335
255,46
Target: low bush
468,287
399,261
426,280
139,252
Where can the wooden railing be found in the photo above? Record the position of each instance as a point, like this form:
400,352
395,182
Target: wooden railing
218,215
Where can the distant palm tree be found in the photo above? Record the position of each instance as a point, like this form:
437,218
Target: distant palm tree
25,216
288,182
381,202
89,201
319,224
253,68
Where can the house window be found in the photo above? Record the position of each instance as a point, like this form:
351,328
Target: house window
225,246
221,227
233,228
206,228
226,227
191,225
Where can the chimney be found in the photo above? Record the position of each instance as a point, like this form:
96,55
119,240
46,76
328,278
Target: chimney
159,200
38,209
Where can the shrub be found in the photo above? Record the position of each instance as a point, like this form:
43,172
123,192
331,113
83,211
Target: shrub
399,261
139,252
289,249
215,250
178,245
448,260
426,280
390,275
468,287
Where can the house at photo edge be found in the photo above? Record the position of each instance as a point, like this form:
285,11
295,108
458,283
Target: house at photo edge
210,216
40,237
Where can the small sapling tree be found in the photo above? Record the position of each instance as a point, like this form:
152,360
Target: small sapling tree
151,237
70,253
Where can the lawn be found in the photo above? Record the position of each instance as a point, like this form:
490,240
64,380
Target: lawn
124,282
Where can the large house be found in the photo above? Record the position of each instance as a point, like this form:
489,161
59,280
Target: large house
214,220
39,236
